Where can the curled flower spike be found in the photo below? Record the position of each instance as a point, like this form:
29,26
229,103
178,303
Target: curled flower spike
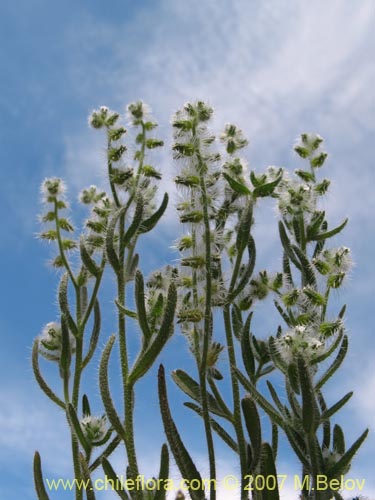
102,117
138,112
90,195
50,342
53,188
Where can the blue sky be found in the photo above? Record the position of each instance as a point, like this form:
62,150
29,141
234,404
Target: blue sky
275,68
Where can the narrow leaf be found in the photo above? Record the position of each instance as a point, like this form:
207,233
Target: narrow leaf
336,407
38,478
94,334
105,392
332,232
267,470
160,493
134,226
287,245
238,187
110,240
147,357
39,378
220,431
111,474
85,405
335,365
338,439
139,291
76,427
252,422
89,489
87,260
190,387
263,403
64,304
341,466
183,460
151,222
310,412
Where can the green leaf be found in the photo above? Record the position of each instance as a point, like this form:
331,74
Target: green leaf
105,393
293,377
276,356
267,470
252,422
338,439
248,271
126,312
106,453
151,222
220,431
275,439
287,245
111,474
87,260
336,407
139,291
275,397
110,239
64,304
135,225
65,358
244,227
306,269
38,376
183,460
190,387
283,313
85,405
336,364
131,268
247,349
341,466
268,188
238,187
263,403
89,489
160,493
237,322
329,234
310,411
329,351
148,356
94,334
38,478
77,429
315,224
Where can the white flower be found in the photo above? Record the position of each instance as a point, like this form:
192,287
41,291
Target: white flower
50,341
301,339
94,428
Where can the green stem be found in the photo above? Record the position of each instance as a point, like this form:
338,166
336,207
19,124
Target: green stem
206,334
110,172
60,245
236,401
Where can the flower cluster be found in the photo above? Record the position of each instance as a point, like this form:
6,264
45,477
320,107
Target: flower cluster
335,264
300,340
